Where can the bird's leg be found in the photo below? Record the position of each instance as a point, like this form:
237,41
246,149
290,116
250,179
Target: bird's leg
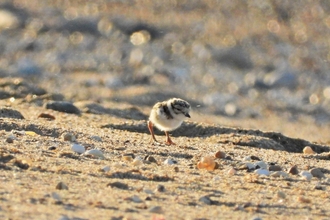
168,139
151,129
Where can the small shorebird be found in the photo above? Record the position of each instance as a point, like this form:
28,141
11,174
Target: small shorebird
167,116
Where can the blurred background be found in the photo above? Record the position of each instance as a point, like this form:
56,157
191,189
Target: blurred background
231,58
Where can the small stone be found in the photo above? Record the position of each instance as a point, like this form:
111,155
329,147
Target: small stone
306,175
232,171
52,148
261,164
206,200
69,137
95,152
220,154
279,174
118,185
303,199
316,172
61,186
293,170
247,158
318,187
176,169
136,199
78,148
169,161
10,139
128,157
151,159
106,169
262,172
10,113
96,138
138,161
160,188
274,168
207,163
56,197
63,106
255,158
47,116
281,195
155,209
308,150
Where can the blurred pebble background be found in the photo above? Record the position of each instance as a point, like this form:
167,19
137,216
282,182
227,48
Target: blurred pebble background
235,58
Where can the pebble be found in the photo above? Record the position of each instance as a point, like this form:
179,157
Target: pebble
61,186
247,158
96,138
10,113
69,137
262,172
106,169
52,148
56,197
151,159
303,199
279,174
293,170
306,175
136,199
274,168
62,106
308,150
207,163
318,186
261,164
155,209
169,161
220,154
138,161
118,185
232,171
78,148
95,153
47,116
316,172
160,188
206,200
281,194
128,157
10,139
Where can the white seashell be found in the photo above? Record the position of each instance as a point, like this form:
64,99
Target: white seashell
250,166
78,148
247,158
106,169
261,164
306,175
308,150
95,153
137,161
262,172
280,174
169,161
56,197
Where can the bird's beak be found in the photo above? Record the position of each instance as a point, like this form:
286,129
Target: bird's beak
187,115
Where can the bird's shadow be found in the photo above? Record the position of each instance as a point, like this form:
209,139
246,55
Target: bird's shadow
252,138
